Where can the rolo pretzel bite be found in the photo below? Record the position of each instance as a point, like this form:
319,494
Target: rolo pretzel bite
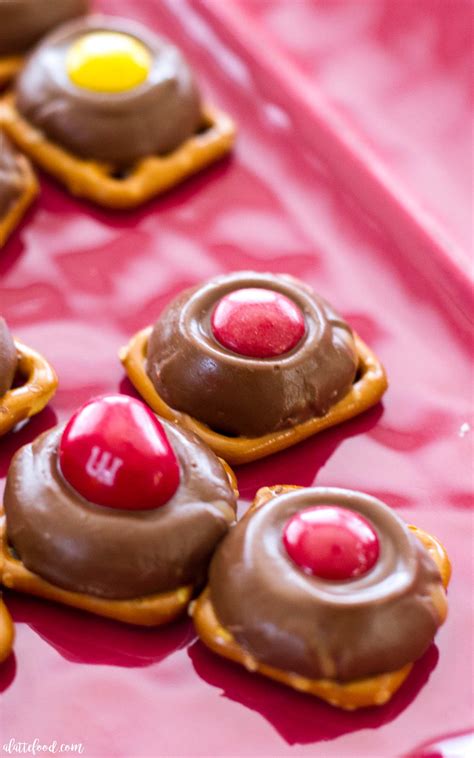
253,363
113,112
138,560
298,639
367,389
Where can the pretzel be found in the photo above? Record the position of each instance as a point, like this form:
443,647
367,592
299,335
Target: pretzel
150,610
360,693
39,386
7,632
366,391
31,189
9,68
231,477
98,182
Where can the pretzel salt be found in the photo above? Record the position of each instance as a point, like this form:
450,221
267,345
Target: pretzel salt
370,691
365,392
151,176
36,390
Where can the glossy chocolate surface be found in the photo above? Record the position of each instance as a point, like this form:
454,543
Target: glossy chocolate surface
238,395
114,553
318,628
11,176
8,358
23,22
117,128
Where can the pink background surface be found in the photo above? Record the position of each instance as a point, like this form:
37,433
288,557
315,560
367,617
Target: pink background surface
400,75
298,196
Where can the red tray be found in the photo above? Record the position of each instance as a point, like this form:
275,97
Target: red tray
300,195
399,76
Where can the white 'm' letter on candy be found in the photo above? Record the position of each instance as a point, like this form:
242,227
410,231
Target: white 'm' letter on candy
102,466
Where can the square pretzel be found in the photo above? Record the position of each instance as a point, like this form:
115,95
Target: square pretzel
151,176
360,693
366,391
12,218
9,67
38,386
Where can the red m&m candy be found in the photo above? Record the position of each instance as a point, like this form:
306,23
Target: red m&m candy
257,322
331,542
114,452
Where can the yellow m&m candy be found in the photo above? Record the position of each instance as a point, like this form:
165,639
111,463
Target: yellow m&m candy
108,62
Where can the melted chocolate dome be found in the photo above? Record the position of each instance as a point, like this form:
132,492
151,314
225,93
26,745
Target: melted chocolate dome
319,628
23,22
117,128
8,356
114,553
240,395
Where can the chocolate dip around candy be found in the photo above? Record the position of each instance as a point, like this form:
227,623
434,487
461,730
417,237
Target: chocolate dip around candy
8,356
12,180
113,553
341,630
116,128
23,22
240,395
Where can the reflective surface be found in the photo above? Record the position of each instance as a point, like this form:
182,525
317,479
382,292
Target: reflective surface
399,75
76,282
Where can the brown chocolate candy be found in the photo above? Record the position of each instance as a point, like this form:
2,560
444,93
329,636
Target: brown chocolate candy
113,553
24,22
339,630
238,395
115,128
8,356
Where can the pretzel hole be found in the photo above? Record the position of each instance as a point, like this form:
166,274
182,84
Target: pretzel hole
20,378
121,174
11,551
224,432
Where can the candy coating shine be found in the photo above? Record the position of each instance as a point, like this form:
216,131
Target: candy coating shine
258,322
114,452
331,542
108,62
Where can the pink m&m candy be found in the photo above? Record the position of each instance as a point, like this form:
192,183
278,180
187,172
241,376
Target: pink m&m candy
331,542
257,322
